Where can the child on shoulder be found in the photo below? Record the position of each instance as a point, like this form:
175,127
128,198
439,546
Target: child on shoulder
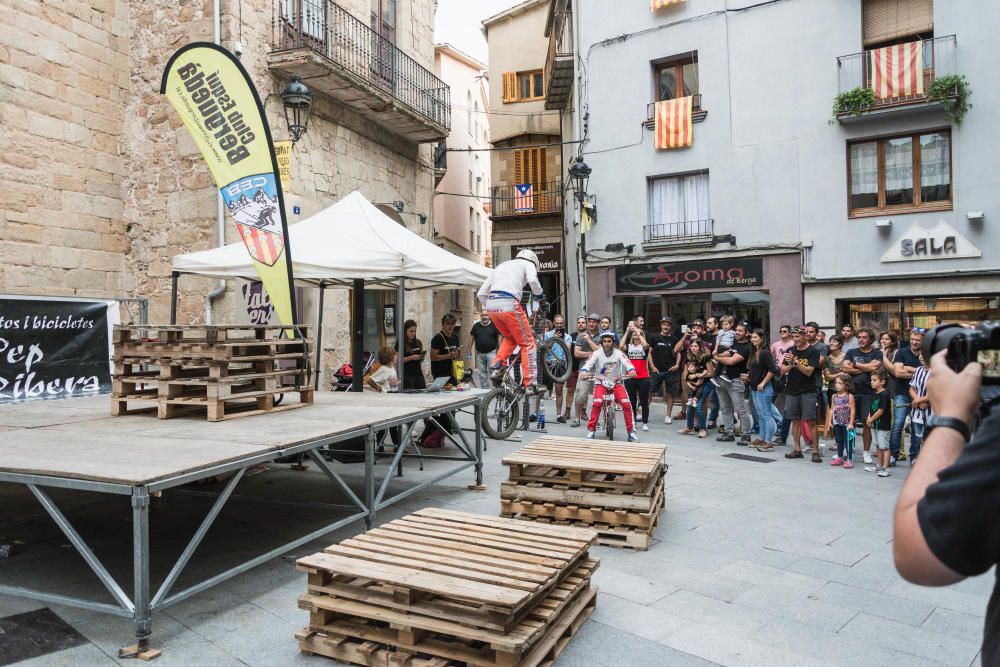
879,419
841,417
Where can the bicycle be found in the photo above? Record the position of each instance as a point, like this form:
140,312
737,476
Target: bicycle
609,409
502,406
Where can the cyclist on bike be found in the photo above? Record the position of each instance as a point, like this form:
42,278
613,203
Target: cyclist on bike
610,365
500,296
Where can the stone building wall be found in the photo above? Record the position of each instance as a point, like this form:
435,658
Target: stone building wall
105,186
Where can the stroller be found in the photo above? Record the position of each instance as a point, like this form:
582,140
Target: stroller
344,375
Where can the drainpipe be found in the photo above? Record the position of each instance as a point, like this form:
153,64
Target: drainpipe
220,215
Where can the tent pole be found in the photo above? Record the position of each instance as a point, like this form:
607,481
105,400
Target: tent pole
358,336
400,319
319,336
174,277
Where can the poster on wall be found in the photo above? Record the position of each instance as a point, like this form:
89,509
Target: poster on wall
54,349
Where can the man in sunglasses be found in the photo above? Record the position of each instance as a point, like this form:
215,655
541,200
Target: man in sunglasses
904,364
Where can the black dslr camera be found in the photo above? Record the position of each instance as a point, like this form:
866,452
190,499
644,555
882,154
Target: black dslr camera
965,345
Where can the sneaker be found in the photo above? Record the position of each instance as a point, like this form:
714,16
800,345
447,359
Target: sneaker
884,472
561,419
817,458
645,427
793,455
632,437
725,437
685,431
868,458
764,446
836,461
496,377
848,464
872,468
668,420
892,461
744,441
590,435
702,433
533,389
575,423
710,425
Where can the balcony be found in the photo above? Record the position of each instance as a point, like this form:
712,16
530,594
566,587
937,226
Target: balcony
677,234
546,199
855,71
697,113
559,62
440,162
344,59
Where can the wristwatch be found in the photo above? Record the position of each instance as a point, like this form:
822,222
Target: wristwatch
935,421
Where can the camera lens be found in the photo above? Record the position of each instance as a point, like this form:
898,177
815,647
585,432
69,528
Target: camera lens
939,338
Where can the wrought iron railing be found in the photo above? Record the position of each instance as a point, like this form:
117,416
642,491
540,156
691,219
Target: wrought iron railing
330,30
677,233
939,59
695,106
506,201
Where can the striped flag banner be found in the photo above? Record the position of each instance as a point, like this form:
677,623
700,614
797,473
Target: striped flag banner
659,4
672,126
524,198
897,70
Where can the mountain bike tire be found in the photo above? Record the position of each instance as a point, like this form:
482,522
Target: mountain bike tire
501,411
554,358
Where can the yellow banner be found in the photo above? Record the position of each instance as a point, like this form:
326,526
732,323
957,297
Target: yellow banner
219,106
283,153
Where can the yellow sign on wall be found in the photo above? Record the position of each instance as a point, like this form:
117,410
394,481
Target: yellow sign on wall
283,153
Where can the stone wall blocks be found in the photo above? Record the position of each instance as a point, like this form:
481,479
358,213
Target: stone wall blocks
85,279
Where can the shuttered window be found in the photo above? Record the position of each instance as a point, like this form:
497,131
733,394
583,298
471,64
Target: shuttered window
509,87
529,166
523,86
889,20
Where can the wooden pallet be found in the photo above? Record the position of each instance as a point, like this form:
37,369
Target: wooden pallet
584,496
206,342
579,462
482,571
585,514
550,626
630,537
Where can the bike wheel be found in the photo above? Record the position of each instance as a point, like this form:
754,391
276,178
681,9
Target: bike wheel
554,356
500,413
609,421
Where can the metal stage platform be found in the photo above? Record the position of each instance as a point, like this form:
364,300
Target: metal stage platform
76,444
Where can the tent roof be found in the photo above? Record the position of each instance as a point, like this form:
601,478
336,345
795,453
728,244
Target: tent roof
350,240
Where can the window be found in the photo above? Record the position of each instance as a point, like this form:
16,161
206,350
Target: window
479,177
470,181
900,174
479,227
472,229
679,205
530,167
475,119
468,111
677,77
523,86
383,18
896,21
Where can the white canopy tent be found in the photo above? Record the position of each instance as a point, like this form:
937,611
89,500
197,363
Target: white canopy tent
350,244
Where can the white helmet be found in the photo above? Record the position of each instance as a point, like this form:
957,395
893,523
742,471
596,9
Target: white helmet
531,257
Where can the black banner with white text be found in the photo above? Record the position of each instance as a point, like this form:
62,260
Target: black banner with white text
53,349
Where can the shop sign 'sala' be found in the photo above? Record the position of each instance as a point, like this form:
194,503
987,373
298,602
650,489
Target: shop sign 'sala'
938,242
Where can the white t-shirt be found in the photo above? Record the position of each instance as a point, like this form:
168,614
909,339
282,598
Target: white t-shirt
384,377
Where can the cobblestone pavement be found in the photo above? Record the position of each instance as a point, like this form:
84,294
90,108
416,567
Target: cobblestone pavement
780,563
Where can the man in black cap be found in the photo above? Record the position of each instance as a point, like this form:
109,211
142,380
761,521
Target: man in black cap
666,364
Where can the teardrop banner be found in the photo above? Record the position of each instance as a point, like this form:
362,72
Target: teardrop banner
220,107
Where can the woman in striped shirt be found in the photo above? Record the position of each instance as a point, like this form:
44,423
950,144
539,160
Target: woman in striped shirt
921,407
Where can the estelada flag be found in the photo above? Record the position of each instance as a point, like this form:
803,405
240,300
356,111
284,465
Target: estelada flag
658,4
672,123
898,70
220,107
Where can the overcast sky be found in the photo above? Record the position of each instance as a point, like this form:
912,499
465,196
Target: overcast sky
459,22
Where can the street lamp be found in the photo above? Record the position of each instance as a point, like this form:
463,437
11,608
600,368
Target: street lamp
580,174
297,99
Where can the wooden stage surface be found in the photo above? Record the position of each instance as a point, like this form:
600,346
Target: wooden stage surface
79,439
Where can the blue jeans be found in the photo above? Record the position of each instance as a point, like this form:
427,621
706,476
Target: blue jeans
840,435
762,401
900,410
712,395
696,416
916,439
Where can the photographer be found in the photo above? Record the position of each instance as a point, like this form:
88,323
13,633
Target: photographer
945,525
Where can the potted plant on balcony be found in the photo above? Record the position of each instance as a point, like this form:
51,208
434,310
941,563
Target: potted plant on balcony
853,102
952,90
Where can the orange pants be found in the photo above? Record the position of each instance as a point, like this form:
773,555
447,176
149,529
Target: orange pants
513,325
617,394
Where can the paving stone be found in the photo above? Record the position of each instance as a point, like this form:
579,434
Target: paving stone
946,597
861,574
599,644
714,642
637,619
802,606
643,590
854,598
758,574
956,624
918,641
739,620
87,654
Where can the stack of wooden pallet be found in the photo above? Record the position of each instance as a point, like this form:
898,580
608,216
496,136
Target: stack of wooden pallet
439,587
616,488
229,371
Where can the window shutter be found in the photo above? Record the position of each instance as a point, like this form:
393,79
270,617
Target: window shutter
886,20
542,171
509,87
518,167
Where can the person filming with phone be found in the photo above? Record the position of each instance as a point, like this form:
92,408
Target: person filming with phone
946,525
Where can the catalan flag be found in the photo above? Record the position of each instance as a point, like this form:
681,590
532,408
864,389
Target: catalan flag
897,71
659,4
672,125
524,198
